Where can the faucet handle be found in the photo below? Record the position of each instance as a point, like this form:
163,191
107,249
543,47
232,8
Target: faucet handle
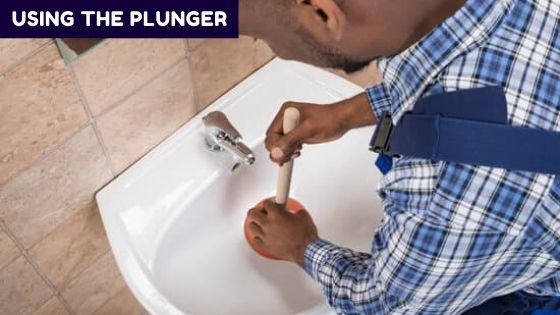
222,136
220,121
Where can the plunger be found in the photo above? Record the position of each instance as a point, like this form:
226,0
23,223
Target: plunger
291,120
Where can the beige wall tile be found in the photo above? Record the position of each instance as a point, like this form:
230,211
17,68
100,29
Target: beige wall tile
148,117
219,64
123,303
94,287
49,193
40,107
8,250
119,66
23,291
12,50
72,247
263,53
52,307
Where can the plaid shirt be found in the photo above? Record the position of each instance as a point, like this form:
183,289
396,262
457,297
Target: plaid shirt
456,235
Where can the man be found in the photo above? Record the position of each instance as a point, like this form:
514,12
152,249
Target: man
454,234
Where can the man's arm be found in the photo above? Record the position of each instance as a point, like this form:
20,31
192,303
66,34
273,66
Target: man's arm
347,277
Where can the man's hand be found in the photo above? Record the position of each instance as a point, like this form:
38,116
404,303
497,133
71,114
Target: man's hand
318,124
281,233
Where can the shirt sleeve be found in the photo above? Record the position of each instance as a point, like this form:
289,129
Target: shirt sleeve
346,276
379,99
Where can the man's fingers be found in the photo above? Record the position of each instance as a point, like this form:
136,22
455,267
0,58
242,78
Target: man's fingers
277,154
273,208
258,242
293,140
276,129
273,143
272,139
304,214
258,215
283,148
256,229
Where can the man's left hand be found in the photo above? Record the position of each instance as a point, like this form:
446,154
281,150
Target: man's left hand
281,233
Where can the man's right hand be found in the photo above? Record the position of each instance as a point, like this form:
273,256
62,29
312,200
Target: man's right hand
318,124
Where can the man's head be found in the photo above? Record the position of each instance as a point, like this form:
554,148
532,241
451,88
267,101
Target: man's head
326,33
344,34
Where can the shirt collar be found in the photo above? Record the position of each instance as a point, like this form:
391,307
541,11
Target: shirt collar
407,74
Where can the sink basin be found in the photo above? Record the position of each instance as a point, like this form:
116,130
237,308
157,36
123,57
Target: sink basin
175,218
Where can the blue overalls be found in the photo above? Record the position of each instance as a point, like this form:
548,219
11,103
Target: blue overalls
518,303
470,126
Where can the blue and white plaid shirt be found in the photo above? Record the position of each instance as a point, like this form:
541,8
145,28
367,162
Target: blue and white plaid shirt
456,235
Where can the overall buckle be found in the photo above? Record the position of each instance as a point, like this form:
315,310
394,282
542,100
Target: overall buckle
380,140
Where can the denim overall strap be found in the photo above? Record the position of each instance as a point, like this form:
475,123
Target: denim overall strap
470,127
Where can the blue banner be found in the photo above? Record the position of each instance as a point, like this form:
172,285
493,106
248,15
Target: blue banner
119,18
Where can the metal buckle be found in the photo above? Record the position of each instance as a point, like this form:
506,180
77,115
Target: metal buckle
380,140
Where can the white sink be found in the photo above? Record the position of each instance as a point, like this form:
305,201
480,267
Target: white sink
175,218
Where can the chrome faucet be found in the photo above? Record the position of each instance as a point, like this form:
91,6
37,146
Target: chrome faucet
221,135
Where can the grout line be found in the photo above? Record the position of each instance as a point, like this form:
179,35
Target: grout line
64,303
28,56
192,49
187,48
98,258
34,266
140,87
92,121
125,286
196,97
14,239
45,154
108,157
61,223
11,261
59,294
59,298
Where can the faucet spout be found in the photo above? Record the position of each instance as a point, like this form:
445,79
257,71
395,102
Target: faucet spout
222,136
241,151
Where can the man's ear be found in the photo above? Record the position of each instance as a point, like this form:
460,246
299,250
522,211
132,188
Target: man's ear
327,13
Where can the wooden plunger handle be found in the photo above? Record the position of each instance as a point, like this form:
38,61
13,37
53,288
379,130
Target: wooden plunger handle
291,120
